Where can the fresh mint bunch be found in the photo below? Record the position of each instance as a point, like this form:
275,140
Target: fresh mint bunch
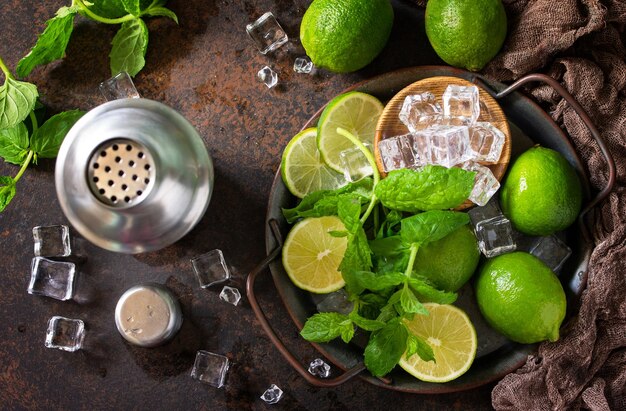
22,140
379,275
128,46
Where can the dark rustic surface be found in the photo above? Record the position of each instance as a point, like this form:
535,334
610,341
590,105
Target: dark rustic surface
205,68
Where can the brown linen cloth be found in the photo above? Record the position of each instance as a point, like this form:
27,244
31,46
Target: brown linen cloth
581,43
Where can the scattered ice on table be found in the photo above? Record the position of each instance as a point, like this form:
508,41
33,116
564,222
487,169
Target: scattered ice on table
267,33
231,295
272,395
397,152
461,104
52,241
65,334
448,145
486,142
552,251
118,87
485,212
495,236
319,368
303,65
210,368
336,301
355,164
420,111
485,183
53,279
267,76
210,268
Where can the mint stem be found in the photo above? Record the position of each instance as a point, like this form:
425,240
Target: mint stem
370,159
409,268
5,69
33,120
24,166
101,19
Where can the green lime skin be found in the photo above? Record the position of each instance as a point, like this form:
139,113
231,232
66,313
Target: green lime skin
466,33
451,261
521,298
345,35
542,193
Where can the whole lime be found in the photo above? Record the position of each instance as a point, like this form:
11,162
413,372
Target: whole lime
345,35
521,297
449,262
541,193
466,33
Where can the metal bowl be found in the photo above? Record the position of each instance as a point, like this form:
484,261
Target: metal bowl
497,356
133,175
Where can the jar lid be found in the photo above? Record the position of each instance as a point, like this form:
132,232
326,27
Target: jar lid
148,315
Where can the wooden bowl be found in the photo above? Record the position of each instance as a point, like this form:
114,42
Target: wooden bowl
389,124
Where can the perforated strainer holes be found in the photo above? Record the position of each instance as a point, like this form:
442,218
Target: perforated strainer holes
120,172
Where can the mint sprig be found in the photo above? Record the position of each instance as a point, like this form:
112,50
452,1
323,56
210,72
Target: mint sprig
129,45
18,101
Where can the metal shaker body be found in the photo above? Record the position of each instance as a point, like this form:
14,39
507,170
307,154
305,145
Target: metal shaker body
133,176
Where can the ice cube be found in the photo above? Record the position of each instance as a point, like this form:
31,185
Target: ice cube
65,334
355,164
53,279
420,111
396,152
319,368
210,368
272,395
336,301
495,236
210,268
552,251
303,65
267,33
461,103
485,183
268,77
52,241
485,212
486,142
448,144
231,295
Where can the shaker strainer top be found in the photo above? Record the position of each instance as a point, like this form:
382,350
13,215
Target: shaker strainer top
121,172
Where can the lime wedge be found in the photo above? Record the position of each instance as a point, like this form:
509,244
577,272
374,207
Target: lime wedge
354,111
311,256
302,168
451,335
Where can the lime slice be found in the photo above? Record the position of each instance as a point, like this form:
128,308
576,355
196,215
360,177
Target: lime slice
354,111
302,168
451,335
311,256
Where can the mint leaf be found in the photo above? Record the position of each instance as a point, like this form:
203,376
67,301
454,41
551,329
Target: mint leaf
14,144
385,348
347,331
323,327
431,188
324,202
417,345
365,323
357,257
129,47
388,247
161,11
431,226
409,302
47,139
7,191
132,6
17,100
52,43
429,293
376,282
349,211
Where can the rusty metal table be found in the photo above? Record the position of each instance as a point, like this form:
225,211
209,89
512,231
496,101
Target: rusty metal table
205,68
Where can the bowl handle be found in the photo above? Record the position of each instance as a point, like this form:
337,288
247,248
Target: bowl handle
323,383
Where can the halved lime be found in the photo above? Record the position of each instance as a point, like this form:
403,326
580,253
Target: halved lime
354,111
302,168
311,256
451,335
